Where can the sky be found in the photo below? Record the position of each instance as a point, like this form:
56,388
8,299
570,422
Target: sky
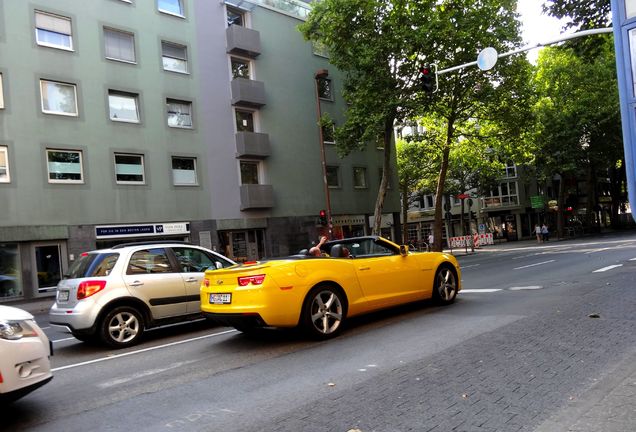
537,27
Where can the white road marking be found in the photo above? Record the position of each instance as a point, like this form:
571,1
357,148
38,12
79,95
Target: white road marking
143,374
530,287
485,290
62,340
469,266
607,268
632,259
597,250
532,265
114,356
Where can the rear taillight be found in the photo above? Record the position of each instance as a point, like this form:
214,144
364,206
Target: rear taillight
254,280
88,288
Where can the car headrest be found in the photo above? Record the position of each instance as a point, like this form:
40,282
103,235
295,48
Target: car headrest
336,251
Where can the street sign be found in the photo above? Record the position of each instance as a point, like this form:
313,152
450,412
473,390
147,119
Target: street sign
536,201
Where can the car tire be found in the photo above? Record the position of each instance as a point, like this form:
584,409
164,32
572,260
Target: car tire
324,312
445,285
122,327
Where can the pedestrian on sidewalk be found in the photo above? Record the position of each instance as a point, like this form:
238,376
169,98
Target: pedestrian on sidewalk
537,231
545,233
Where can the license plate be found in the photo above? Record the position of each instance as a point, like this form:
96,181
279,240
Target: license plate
62,296
224,298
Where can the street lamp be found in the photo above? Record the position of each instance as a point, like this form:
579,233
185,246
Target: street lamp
320,75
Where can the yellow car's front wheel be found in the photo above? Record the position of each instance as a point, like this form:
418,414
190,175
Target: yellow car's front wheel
324,312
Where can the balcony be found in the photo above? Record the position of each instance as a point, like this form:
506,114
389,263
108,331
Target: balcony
246,92
243,41
256,196
252,145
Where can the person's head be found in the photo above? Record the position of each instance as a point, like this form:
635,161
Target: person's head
314,251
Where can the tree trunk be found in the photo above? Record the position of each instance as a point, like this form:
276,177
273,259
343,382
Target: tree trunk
386,175
439,192
405,209
560,204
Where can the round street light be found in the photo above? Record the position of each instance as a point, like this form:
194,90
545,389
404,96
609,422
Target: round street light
487,58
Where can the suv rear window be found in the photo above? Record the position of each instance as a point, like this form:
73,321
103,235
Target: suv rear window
92,264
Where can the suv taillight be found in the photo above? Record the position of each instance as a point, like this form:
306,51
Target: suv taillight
254,280
88,288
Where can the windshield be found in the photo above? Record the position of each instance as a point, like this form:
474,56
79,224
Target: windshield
92,264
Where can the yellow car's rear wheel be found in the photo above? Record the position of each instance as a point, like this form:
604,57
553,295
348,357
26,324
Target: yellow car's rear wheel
324,312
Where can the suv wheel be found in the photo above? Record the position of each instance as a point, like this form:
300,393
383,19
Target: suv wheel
122,327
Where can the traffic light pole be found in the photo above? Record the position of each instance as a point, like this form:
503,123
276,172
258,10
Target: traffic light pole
323,73
527,48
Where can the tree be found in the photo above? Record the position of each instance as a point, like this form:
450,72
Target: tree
579,119
380,45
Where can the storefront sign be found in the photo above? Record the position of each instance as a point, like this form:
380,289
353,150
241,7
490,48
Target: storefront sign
536,201
122,231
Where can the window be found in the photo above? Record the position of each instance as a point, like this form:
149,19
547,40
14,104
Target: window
119,45
244,121
175,57
240,68
149,261
235,17
58,98
333,176
64,166
129,168
329,134
179,113
249,172
4,165
1,93
173,7
123,106
197,261
184,171
503,195
53,31
324,89
510,171
359,177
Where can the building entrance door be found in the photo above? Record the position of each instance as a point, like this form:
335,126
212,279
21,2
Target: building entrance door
49,259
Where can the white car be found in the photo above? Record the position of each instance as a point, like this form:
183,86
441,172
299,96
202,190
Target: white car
24,354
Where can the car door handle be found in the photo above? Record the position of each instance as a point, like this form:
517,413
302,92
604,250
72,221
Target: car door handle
191,279
136,283
364,268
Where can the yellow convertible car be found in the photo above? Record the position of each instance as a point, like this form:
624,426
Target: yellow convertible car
353,276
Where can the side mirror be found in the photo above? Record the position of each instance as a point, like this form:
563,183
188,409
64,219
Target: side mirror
404,250
218,265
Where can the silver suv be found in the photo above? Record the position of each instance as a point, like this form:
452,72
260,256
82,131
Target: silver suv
114,294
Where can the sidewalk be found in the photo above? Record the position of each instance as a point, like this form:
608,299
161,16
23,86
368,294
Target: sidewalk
33,306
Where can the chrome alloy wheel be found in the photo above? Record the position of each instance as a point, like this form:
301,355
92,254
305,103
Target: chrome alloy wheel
123,327
326,312
446,285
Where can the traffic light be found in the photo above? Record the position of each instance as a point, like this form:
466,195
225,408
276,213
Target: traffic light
323,217
426,79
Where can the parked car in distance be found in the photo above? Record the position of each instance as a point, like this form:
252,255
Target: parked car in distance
319,293
24,354
113,295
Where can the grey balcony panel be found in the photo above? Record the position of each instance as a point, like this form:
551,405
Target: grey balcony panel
247,92
243,41
253,145
257,196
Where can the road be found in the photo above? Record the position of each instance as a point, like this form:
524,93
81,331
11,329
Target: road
534,331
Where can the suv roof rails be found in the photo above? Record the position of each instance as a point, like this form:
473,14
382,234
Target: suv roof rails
152,242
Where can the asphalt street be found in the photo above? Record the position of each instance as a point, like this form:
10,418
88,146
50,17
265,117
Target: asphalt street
541,339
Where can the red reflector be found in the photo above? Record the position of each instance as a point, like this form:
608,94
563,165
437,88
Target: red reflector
88,288
206,282
250,262
254,280
285,288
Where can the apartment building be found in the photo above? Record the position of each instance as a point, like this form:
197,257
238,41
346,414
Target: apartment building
123,120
